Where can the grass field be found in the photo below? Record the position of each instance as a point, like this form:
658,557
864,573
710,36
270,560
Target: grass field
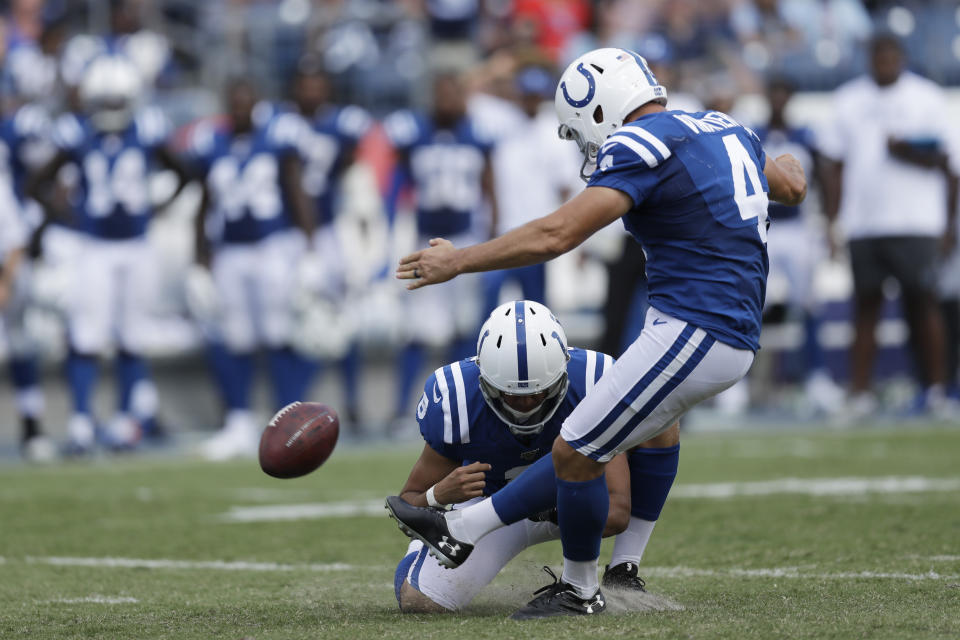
761,539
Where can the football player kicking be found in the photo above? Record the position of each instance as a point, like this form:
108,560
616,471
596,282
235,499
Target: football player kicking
488,418
692,188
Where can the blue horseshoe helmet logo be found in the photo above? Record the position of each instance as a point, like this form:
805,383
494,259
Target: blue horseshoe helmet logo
590,92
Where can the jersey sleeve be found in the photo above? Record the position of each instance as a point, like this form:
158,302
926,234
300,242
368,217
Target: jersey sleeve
353,123
201,143
627,162
285,132
433,415
757,147
153,128
68,134
585,369
402,129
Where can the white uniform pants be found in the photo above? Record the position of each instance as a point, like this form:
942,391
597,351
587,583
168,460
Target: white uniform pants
454,588
669,368
254,284
111,295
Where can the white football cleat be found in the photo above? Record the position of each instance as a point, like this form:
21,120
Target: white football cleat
39,450
239,438
123,432
81,433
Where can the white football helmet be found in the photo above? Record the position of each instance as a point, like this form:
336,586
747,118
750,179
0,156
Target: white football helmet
522,351
109,91
597,91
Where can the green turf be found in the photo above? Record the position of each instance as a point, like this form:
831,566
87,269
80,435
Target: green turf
150,508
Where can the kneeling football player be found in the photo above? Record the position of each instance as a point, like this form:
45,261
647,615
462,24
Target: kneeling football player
488,418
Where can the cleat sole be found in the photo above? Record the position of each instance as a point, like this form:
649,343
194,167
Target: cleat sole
444,561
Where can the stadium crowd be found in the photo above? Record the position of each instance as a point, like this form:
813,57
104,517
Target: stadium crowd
238,177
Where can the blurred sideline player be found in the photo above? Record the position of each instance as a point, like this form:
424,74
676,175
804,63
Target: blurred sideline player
794,243
328,149
14,237
255,224
24,136
532,169
114,145
485,420
890,138
692,189
446,161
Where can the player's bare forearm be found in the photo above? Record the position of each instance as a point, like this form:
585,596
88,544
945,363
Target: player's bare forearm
787,181
300,204
451,481
537,241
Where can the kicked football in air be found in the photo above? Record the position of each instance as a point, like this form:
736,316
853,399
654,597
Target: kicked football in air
298,439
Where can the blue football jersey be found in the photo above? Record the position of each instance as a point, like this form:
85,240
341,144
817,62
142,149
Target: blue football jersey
242,174
329,138
26,135
700,213
801,144
446,168
113,200
457,422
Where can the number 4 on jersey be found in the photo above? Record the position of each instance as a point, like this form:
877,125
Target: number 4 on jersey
743,166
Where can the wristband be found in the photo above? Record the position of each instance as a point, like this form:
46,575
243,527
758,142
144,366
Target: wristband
432,500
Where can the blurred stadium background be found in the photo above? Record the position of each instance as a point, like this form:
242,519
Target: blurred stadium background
831,511
382,56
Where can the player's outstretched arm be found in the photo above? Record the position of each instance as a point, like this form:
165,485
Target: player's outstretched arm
535,242
452,482
788,184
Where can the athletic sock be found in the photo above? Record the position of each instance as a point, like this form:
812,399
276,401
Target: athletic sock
81,376
24,372
130,370
582,513
652,472
532,492
25,375
472,523
234,375
290,374
350,369
411,360
631,543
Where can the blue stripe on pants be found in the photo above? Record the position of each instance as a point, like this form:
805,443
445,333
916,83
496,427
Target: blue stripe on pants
657,398
624,404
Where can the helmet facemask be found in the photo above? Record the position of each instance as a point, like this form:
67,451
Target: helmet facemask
526,423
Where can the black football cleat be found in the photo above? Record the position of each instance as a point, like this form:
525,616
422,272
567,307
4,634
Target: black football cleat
429,526
624,576
559,599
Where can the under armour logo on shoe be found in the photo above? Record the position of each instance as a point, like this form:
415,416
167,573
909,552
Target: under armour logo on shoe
445,545
596,603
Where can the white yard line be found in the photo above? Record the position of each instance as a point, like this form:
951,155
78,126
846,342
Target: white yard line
306,511
659,572
707,491
816,487
789,573
94,599
216,565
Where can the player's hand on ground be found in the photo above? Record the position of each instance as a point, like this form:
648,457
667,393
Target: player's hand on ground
428,266
463,483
